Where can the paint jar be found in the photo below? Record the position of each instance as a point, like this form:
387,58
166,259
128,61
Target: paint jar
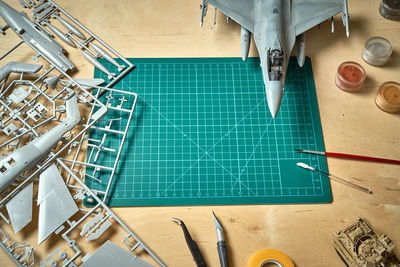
350,76
377,51
390,9
388,97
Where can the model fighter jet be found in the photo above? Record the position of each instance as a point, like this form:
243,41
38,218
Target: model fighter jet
277,25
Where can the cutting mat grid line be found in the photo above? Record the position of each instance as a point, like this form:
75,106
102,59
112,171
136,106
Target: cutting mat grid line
202,134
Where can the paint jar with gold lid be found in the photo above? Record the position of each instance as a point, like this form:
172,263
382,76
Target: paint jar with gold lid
388,97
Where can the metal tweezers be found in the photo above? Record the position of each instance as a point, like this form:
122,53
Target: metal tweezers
194,249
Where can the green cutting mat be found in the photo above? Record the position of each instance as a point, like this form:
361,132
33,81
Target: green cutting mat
202,135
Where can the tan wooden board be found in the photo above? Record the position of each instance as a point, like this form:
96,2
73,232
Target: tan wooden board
352,123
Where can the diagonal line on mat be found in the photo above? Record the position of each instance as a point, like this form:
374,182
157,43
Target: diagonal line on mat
236,125
198,146
252,153
180,176
254,150
236,178
187,136
207,152
195,143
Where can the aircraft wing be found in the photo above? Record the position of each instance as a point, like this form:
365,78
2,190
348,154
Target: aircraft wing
243,12
55,202
309,13
19,208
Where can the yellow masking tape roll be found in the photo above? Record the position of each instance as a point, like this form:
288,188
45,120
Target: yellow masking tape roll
270,255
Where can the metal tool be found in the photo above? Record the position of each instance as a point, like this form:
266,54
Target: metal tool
334,177
221,246
194,249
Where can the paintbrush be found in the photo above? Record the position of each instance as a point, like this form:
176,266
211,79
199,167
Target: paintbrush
350,156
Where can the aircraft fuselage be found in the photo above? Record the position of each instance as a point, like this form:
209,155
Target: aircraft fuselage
29,155
34,37
274,36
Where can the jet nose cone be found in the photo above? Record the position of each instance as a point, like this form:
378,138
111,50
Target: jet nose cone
274,91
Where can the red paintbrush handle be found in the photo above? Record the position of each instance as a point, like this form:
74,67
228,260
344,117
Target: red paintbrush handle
349,156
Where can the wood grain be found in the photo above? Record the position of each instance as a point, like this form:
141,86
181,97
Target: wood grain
351,123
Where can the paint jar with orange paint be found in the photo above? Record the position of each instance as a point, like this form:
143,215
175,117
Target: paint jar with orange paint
350,76
388,97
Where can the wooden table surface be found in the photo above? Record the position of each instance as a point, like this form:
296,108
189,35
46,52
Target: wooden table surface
351,123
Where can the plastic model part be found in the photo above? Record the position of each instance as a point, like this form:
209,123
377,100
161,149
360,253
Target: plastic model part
55,202
277,26
120,257
27,156
18,67
96,226
100,145
19,208
45,116
360,245
41,35
22,254
62,255
36,39
68,150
